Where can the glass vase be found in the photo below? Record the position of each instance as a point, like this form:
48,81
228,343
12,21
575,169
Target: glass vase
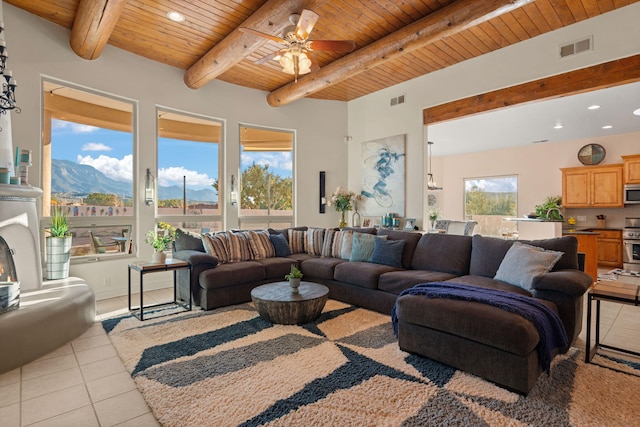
343,219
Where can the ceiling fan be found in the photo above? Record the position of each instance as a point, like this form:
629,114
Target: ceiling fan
294,57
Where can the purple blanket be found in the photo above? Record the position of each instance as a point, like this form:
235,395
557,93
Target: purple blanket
547,322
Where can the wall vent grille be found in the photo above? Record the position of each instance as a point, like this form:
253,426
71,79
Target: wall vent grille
397,100
576,47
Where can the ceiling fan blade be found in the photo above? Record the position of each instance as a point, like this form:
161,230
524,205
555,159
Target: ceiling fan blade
258,33
305,24
333,45
314,65
269,57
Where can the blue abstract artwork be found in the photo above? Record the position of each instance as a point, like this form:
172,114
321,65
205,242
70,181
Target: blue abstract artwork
383,170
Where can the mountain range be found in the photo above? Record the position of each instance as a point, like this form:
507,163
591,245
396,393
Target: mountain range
76,180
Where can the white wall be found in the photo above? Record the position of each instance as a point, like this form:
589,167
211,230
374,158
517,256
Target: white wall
38,47
616,35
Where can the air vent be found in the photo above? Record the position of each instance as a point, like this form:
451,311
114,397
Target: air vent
397,100
576,47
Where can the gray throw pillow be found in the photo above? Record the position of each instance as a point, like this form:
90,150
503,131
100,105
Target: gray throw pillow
523,262
387,252
188,241
280,244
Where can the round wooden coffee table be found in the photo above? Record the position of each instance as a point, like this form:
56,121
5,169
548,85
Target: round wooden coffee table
276,303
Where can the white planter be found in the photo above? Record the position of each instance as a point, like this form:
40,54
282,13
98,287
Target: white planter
295,284
58,257
159,257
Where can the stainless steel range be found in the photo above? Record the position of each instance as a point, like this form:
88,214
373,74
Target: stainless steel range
631,244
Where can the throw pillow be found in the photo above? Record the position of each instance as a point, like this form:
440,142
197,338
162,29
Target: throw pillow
362,247
327,243
239,246
314,240
186,240
280,244
347,243
260,245
387,252
217,245
523,262
336,247
296,241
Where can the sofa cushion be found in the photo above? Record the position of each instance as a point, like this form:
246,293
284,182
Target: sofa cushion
397,281
188,241
490,283
362,246
320,268
260,245
523,262
276,267
239,249
230,274
446,253
338,239
280,244
388,252
411,241
566,244
314,238
363,274
296,241
347,245
327,242
217,245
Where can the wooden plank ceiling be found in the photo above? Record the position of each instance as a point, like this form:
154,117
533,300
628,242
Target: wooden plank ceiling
447,33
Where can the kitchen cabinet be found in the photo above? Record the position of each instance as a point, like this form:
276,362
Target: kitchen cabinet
631,169
609,247
592,187
588,245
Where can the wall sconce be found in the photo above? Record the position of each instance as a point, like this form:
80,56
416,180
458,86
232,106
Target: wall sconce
233,195
149,189
323,199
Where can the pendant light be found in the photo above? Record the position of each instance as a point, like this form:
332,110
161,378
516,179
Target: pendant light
431,183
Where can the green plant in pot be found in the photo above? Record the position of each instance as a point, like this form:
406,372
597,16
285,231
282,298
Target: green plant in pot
294,277
58,246
160,241
550,209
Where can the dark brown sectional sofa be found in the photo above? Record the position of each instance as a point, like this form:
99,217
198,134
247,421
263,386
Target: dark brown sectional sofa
481,339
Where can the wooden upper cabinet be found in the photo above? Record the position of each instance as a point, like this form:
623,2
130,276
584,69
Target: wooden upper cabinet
592,187
631,169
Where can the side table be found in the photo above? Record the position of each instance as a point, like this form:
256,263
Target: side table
150,267
614,291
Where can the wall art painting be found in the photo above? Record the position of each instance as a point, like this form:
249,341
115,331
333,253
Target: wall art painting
383,176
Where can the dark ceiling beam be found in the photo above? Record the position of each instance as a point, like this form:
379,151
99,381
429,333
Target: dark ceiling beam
271,18
445,22
601,76
93,25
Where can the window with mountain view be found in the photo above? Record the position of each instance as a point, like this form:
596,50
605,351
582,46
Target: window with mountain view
266,182
489,200
87,166
187,175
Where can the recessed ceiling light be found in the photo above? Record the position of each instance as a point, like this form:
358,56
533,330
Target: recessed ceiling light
593,107
607,127
175,16
558,126
637,112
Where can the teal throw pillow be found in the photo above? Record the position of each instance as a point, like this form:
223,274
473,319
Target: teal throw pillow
387,252
362,246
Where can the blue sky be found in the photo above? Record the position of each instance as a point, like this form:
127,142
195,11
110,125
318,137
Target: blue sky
110,152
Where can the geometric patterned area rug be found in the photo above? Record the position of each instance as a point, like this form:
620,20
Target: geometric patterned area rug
229,367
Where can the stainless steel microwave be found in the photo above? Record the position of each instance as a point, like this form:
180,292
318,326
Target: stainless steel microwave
632,194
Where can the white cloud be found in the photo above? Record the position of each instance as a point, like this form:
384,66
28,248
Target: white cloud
278,160
118,169
173,176
73,127
95,146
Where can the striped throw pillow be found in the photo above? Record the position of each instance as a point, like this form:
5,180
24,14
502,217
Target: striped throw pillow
296,241
338,241
314,240
239,249
260,245
328,242
217,245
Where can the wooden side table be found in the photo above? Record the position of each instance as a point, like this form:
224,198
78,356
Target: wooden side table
150,267
614,291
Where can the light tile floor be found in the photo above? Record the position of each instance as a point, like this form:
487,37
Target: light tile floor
85,384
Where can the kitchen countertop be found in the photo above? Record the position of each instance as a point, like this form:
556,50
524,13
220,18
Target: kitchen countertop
587,230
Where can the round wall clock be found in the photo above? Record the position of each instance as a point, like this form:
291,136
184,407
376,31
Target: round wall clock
591,154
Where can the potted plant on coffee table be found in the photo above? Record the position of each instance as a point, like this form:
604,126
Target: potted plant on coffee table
58,246
294,277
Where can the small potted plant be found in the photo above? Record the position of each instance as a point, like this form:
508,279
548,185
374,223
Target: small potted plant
58,246
160,241
294,277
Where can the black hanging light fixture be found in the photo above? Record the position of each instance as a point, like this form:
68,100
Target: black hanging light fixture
431,183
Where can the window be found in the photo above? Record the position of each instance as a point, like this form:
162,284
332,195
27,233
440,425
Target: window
188,165
87,164
488,201
266,182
